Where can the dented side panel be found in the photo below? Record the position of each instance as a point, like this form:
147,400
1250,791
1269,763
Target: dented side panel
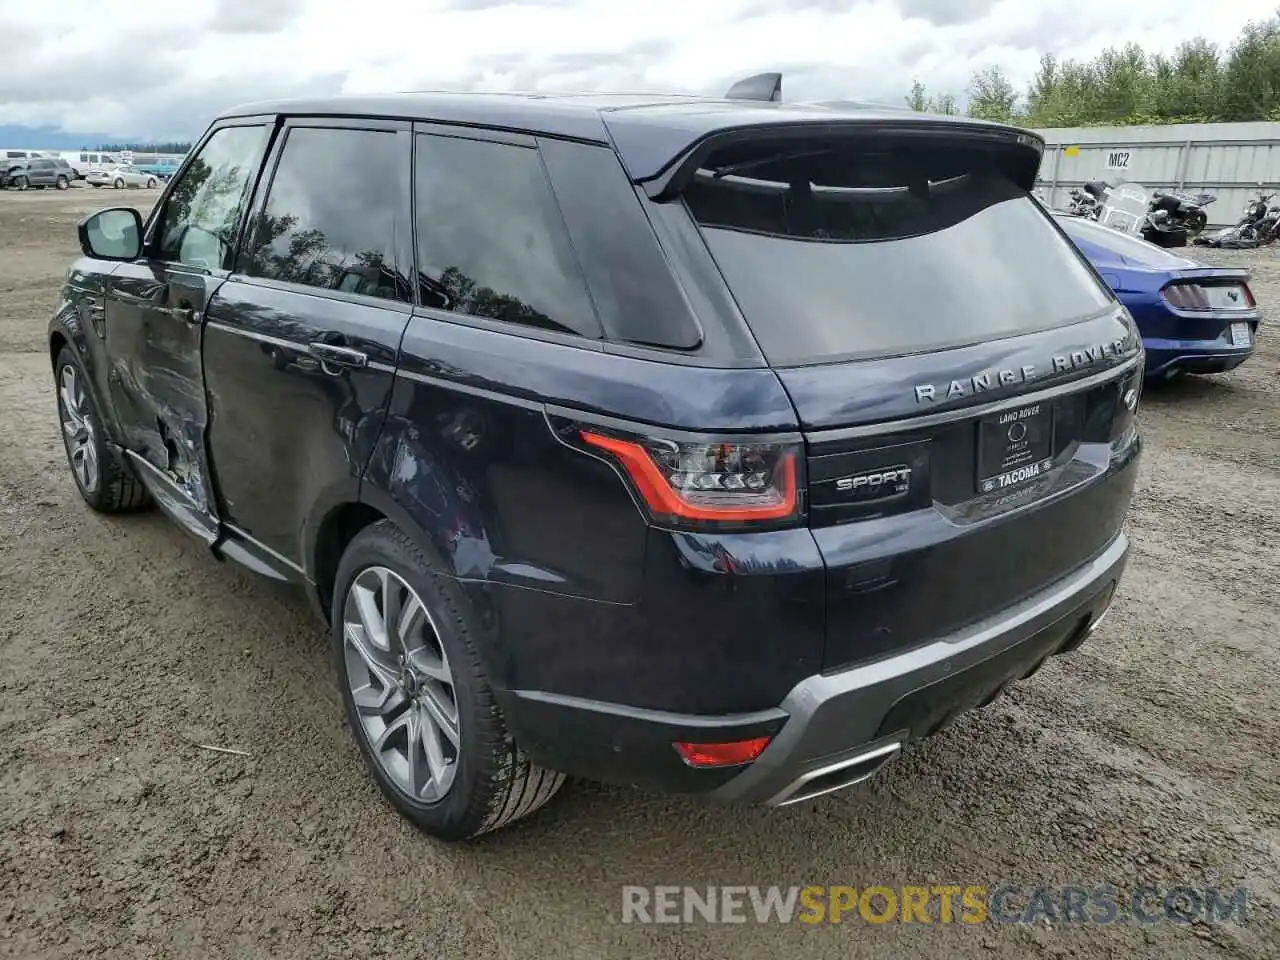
154,332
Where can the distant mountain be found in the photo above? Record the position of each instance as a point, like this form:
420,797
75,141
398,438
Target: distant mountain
50,138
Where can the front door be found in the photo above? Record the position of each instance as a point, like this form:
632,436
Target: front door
155,313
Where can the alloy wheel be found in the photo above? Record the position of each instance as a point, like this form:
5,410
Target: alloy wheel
119,184
401,684
78,430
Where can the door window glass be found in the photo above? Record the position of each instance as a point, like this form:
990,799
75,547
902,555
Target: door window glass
198,224
491,242
331,213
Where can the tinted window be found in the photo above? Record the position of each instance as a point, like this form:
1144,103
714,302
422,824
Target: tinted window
630,280
330,216
41,164
491,242
840,251
201,214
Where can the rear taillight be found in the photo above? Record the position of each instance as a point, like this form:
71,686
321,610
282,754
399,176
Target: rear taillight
709,482
731,754
1183,295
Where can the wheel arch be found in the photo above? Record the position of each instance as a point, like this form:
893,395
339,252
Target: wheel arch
334,532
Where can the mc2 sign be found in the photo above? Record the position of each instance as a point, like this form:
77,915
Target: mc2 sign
1118,159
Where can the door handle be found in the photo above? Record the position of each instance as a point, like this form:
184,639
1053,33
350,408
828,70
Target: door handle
330,355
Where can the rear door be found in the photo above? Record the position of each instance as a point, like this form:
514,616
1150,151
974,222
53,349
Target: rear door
964,379
42,172
300,345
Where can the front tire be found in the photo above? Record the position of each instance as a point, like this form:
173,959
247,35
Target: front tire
417,698
151,183
21,183
62,183
106,484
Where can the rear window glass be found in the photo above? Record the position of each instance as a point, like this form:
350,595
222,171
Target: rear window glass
850,251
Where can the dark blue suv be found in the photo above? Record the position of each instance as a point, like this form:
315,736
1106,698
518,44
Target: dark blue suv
718,446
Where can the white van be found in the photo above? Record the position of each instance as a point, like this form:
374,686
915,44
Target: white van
83,162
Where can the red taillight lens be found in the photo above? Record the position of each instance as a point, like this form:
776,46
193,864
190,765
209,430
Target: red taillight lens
711,482
730,754
1186,296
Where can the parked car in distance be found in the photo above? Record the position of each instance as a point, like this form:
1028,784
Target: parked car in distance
36,172
161,167
84,162
1193,318
121,176
710,446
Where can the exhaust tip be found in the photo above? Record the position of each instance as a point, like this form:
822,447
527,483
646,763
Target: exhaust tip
836,776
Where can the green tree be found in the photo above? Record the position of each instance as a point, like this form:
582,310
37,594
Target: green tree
1251,87
991,96
918,99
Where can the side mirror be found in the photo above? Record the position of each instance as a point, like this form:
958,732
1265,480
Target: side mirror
114,234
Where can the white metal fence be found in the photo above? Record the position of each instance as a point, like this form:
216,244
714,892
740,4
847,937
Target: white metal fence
1228,160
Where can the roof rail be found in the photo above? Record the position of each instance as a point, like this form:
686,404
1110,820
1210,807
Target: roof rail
763,86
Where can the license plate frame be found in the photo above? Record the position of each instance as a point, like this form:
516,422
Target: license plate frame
1014,447
1241,335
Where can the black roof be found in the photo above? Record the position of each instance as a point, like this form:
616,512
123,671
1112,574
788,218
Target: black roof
648,130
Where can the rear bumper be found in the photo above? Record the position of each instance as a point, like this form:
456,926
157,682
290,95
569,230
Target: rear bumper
832,729
1168,357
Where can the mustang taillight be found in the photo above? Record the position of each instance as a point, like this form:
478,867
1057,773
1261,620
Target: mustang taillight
709,482
1196,296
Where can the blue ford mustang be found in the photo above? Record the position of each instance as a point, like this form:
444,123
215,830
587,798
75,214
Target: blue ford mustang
1193,318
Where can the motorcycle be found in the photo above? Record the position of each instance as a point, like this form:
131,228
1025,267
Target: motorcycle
1184,210
1126,208
1087,201
1259,226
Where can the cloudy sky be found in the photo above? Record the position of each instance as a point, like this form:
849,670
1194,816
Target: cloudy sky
162,68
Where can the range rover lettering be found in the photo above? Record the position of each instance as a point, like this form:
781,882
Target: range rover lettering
709,445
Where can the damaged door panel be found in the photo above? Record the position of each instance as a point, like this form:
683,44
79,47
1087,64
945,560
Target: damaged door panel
154,338
155,310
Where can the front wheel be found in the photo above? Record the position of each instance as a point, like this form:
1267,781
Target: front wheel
62,183
21,183
106,484
417,698
151,183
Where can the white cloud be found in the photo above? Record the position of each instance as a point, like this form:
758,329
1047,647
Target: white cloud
163,71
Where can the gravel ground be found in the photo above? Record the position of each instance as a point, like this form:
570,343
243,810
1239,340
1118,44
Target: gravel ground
1148,757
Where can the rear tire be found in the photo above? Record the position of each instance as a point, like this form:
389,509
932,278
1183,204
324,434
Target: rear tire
107,484
119,184
62,183
151,183
480,779
20,183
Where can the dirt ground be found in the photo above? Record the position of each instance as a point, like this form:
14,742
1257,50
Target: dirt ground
1149,757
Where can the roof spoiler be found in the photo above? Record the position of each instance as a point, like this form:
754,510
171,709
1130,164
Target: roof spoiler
763,86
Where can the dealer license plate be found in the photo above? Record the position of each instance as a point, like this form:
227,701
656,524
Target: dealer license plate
1015,447
1240,335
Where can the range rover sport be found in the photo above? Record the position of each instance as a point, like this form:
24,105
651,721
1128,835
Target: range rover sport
719,446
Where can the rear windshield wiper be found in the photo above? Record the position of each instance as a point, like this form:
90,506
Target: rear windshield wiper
732,168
